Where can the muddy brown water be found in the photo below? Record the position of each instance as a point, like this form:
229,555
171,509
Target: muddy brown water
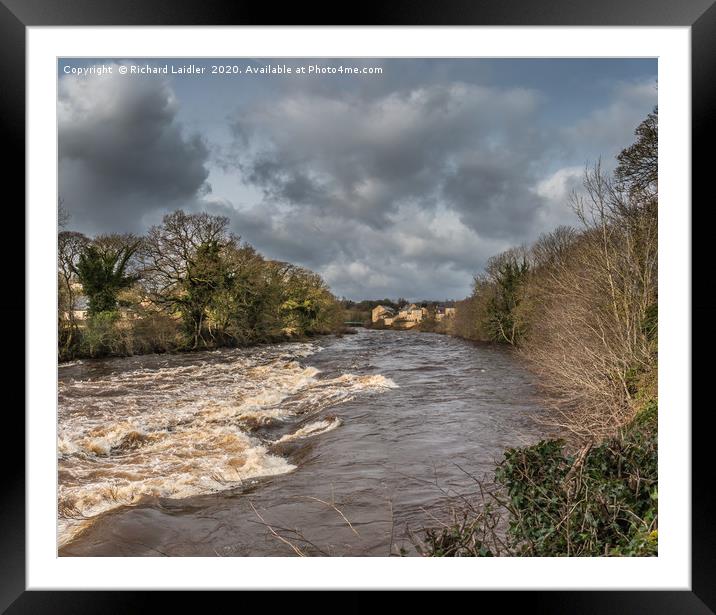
198,454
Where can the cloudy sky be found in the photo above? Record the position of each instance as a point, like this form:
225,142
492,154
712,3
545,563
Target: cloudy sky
394,184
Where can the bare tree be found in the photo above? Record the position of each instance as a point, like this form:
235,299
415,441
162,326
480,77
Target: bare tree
63,216
553,249
177,256
587,335
69,247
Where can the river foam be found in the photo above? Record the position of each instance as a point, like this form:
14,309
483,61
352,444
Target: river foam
175,431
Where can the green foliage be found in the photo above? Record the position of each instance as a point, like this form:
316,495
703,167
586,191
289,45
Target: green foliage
308,307
367,305
206,277
606,506
650,323
601,501
641,379
503,322
195,286
645,420
102,271
100,336
465,537
637,170
602,504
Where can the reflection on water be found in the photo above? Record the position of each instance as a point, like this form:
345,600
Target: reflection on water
185,454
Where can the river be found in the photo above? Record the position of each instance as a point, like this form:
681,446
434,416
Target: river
341,446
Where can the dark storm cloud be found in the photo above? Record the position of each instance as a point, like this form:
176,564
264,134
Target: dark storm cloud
402,184
360,159
409,191
122,154
402,193
492,194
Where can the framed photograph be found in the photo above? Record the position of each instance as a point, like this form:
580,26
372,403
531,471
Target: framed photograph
360,307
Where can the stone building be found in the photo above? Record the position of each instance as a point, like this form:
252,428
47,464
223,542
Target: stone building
382,312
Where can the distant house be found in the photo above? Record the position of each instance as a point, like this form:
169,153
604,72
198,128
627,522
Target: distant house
79,311
81,308
382,312
412,313
444,312
409,316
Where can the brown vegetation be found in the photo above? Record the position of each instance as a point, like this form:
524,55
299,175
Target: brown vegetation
580,305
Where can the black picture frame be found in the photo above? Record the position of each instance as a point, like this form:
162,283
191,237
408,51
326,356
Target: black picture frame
700,15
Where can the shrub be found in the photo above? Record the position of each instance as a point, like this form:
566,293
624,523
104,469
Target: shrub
601,500
100,336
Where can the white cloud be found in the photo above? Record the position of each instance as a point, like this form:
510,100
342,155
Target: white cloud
608,129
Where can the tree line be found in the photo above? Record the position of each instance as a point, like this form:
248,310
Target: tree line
580,304
188,284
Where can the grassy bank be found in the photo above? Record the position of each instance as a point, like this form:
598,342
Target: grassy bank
120,339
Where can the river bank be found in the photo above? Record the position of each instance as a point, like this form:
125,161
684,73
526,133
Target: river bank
227,345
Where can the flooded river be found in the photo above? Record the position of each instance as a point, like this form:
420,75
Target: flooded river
341,445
